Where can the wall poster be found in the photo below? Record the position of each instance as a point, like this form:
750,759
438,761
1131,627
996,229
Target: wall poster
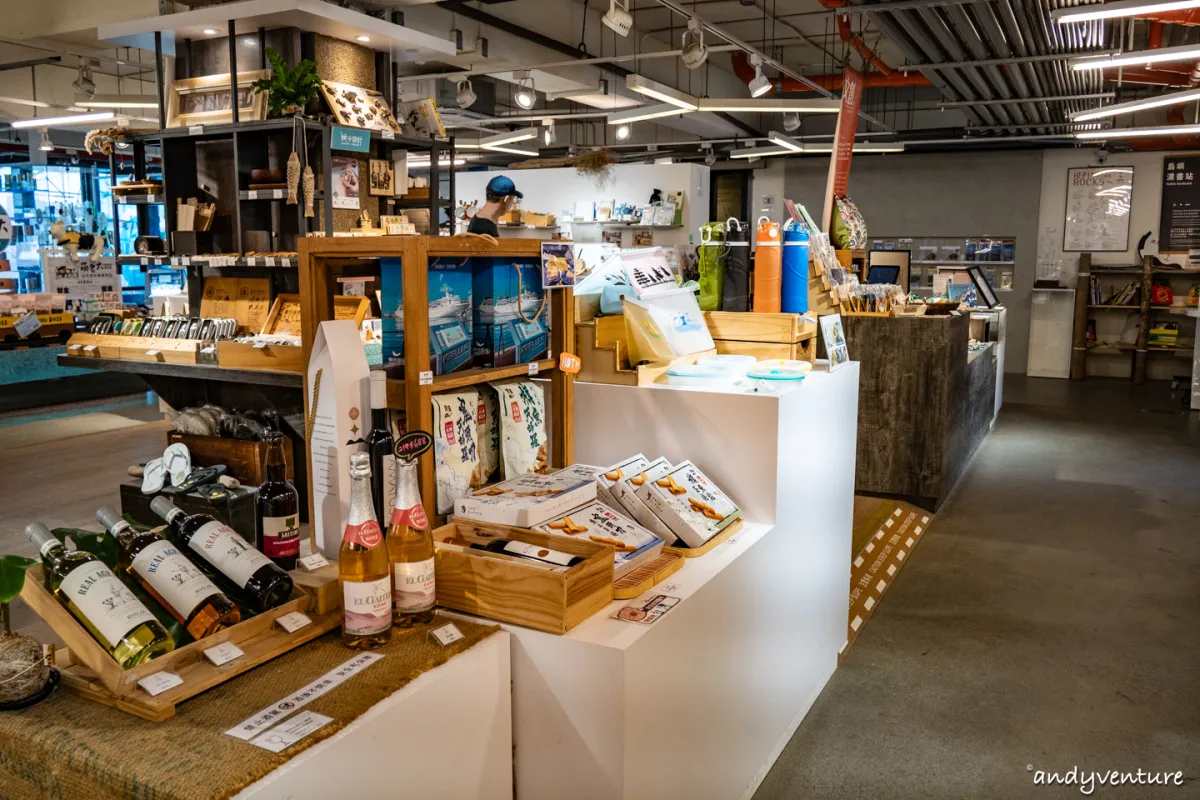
1179,221
1097,216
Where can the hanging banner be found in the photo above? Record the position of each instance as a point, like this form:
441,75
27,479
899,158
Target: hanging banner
843,142
1179,223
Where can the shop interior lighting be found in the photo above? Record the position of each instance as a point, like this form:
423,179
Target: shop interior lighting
1126,133
44,142
526,95
520,151
661,92
116,101
786,142
84,83
859,147
769,104
645,112
694,51
508,137
622,132
466,95
759,152
75,119
791,121
362,38
1120,8
1174,98
618,18
549,136
1185,52
761,84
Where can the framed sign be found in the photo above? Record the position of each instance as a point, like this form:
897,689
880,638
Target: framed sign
835,341
1179,221
207,101
1097,214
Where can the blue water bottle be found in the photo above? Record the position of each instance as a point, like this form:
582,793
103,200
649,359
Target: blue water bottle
794,292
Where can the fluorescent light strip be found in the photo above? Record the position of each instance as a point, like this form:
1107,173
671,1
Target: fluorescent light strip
79,119
1132,133
663,93
646,112
1174,98
865,147
769,104
116,101
1120,8
514,150
758,152
508,137
786,142
1185,52
442,162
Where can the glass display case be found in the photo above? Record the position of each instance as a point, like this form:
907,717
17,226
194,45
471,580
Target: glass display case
936,261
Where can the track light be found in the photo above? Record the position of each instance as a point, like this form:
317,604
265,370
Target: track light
618,18
466,95
710,157
45,144
1174,98
622,132
526,95
84,83
548,134
761,84
791,121
694,51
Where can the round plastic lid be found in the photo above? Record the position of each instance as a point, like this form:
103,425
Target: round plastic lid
728,362
783,363
759,372
695,371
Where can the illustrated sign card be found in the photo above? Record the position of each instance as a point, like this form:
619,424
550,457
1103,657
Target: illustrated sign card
1097,216
835,340
346,187
558,265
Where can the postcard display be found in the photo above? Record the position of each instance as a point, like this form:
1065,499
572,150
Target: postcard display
768,602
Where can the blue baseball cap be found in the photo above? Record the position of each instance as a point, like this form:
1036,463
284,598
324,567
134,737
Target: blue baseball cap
502,186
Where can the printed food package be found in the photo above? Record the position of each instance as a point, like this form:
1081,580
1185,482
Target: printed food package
489,432
589,472
689,504
625,492
522,406
597,522
456,450
527,500
628,466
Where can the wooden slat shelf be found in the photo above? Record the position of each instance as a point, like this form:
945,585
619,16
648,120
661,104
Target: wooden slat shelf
207,372
469,377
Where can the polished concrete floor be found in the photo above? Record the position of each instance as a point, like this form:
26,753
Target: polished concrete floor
1048,620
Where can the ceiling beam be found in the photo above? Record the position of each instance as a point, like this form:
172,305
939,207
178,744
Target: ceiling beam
1015,100
986,62
32,62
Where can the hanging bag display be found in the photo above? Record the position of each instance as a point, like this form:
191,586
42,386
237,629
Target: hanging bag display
712,265
794,290
767,267
736,293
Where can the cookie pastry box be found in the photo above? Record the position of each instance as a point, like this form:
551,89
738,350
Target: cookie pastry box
625,492
527,500
633,544
689,504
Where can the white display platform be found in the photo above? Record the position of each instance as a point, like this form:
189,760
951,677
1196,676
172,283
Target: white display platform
1051,333
699,704
447,734
1195,404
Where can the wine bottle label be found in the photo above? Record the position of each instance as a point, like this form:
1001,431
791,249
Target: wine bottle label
180,583
366,534
413,586
540,553
413,517
231,554
367,606
106,602
281,536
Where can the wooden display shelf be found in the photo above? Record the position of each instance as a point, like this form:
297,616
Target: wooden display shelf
208,372
1115,308
470,377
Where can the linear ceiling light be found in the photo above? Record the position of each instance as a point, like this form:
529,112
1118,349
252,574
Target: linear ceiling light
1132,133
116,101
646,112
1186,52
1120,8
786,142
442,162
508,137
77,119
758,152
658,91
1174,98
768,104
520,151
864,147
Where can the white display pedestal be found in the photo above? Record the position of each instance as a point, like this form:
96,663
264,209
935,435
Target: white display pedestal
1195,404
1051,333
699,704
447,734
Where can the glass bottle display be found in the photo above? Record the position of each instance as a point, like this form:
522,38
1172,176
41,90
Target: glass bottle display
277,509
96,598
246,574
170,577
364,570
532,552
382,448
410,549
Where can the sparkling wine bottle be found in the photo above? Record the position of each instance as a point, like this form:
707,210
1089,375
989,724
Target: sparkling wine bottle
246,574
170,578
410,548
381,447
277,509
363,567
96,597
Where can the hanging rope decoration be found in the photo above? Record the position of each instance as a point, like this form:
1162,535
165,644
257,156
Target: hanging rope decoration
310,180
293,168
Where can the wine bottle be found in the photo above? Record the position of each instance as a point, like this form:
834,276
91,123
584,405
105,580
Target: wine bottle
381,447
96,597
170,578
533,552
246,574
410,549
363,567
277,509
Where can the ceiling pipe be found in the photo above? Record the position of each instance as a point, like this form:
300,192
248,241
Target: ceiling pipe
856,41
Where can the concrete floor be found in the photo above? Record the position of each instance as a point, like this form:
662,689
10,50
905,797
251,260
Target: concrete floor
1048,619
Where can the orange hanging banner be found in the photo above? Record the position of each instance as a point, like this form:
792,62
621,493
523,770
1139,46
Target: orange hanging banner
843,142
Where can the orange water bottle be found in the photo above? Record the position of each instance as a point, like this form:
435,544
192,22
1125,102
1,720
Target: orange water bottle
768,267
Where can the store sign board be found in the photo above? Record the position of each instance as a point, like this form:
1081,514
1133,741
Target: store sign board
1179,223
352,139
843,142
89,287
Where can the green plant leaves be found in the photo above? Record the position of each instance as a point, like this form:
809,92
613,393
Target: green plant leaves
296,86
12,576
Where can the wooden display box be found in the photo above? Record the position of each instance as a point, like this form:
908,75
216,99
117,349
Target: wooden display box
517,591
764,336
247,356
96,345
88,670
168,351
247,461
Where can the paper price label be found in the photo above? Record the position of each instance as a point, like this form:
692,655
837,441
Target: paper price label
27,324
144,261
260,345
252,194
388,134
533,368
447,634
185,260
159,682
152,353
286,734
314,562
278,194
223,653
270,261
292,622
195,130
425,378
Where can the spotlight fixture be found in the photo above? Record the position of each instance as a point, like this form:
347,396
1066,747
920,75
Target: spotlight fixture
618,18
661,92
694,51
710,157
84,83
548,134
44,143
622,132
362,38
211,31
76,119
761,84
466,95
791,121
1171,99
526,95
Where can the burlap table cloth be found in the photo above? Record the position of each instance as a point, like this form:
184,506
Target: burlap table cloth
68,747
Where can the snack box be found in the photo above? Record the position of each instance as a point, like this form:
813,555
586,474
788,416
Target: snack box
508,312
634,545
625,492
630,466
527,500
587,472
450,317
689,504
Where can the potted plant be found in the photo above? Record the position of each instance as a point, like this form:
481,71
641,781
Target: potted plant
291,89
25,677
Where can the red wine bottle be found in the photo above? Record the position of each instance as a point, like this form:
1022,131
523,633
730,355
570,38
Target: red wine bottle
533,552
382,449
277,509
248,575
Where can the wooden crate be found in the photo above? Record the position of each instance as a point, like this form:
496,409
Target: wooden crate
247,461
763,351
764,336
96,345
512,590
89,670
248,356
163,351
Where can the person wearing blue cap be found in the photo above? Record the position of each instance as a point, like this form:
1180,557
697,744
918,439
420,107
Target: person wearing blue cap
502,195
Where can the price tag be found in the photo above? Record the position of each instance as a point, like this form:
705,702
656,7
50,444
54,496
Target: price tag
252,194
533,368
159,682
260,345
152,353
270,261
223,653
388,135
144,261
447,634
185,260
278,193
287,733
314,562
27,324
425,378
292,622
87,348
195,130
